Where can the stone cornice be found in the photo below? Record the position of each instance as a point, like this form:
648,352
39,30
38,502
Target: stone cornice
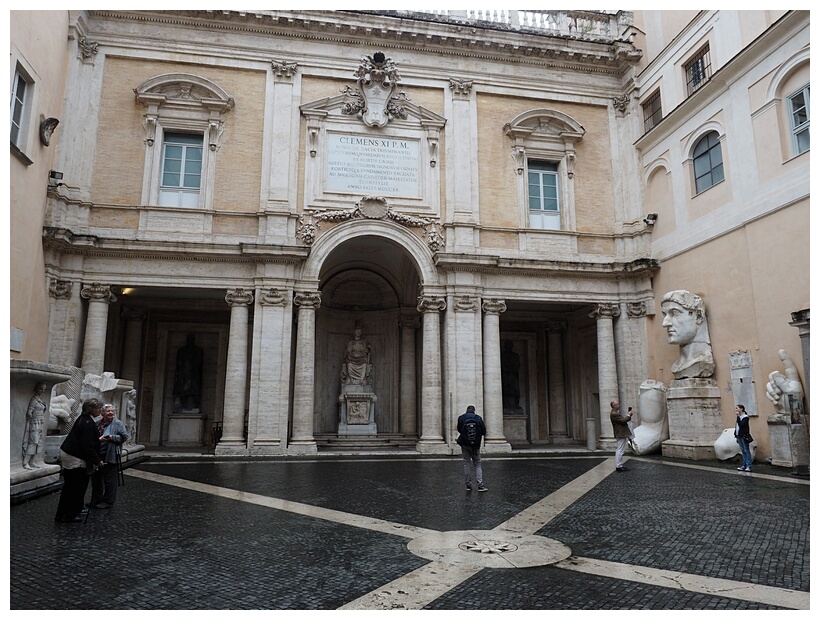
65,241
369,29
638,268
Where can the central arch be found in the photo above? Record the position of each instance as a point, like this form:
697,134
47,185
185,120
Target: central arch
369,274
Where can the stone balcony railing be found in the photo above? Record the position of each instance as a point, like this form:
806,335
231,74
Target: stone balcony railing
580,24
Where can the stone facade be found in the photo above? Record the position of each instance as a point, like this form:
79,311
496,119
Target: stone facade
379,167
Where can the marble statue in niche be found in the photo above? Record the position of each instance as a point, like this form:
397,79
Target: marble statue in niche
357,369
188,378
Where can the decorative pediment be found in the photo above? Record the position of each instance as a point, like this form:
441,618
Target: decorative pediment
183,90
547,123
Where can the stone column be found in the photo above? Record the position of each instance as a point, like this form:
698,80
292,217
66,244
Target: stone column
558,427
407,395
132,343
607,368
494,441
236,374
64,324
431,439
96,324
302,440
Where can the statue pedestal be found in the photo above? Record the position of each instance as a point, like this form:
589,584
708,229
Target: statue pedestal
789,443
357,410
515,428
185,430
695,421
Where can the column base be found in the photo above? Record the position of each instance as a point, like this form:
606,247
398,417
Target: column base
231,448
497,446
432,447
302,447
607,443
271,447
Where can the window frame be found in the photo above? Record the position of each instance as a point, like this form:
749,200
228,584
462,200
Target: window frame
545,135
181,103
550,170
717,147
182,191
795,129
652,115
23,71
701,58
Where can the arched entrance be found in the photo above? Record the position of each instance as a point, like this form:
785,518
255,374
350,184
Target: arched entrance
370,275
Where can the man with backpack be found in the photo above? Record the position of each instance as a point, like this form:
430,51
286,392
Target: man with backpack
471,429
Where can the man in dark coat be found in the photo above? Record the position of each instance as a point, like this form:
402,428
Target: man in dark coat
471,429
79,455
622,432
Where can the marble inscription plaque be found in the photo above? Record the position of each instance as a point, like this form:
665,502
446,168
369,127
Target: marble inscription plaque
379,166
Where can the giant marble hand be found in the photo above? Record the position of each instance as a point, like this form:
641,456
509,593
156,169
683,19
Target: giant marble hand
788,385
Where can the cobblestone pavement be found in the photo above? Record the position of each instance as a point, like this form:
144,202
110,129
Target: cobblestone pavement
332,532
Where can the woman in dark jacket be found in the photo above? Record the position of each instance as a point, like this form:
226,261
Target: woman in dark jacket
741,434
79,456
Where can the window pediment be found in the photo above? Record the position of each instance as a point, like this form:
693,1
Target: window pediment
544,124
183,90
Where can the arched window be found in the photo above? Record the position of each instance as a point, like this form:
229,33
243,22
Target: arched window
707,161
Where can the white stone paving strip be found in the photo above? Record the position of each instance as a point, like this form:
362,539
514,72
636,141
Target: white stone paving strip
346,518
415,589
532,519
768,595
454,558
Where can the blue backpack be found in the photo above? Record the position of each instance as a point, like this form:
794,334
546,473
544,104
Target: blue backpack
471,433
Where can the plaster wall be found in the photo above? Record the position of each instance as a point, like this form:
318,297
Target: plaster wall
38,43
749,300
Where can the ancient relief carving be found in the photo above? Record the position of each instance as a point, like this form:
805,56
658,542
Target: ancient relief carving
131,418
61,289
283,70
35,426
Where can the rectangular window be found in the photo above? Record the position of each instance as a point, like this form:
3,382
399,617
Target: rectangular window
652,113
542,192
181,170
698,70
19,109
799,120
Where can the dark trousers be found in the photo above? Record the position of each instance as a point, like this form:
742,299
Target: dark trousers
72,497
104,484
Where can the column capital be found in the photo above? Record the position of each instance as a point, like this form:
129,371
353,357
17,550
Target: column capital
461,88
98,292
431,303
61,289
604,311
239,297
273,297
307,299
283,70
636,309
465,303
556,327
494,306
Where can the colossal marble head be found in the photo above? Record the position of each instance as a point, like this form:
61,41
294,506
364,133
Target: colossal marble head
684,317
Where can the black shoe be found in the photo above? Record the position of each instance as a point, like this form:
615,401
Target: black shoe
482,488
77,519
621,469
469,488
103,505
